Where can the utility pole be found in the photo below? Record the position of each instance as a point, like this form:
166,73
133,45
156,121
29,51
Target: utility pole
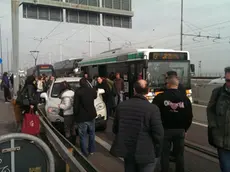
109,39
35,56
60,49
8,58
15,42
181,25
1,48
90,42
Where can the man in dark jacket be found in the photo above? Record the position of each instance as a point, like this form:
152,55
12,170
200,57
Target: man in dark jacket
176,115
218,114
85,114
139,131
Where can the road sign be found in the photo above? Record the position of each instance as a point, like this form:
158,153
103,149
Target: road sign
0,60
22,152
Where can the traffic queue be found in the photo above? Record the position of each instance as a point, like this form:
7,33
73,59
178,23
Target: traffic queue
147,133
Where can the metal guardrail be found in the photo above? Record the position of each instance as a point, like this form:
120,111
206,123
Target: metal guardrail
14,146
76,162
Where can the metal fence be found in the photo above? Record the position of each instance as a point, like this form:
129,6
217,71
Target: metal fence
76,161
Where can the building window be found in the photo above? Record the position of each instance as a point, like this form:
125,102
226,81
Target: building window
117,4
43,13
126,22
32,11
83,17
56,14
107,20
73,1
93,3
72,16
117,21
126,5
94,18
108,4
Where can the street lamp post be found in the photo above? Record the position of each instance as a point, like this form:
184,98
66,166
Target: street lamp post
35,56
109,39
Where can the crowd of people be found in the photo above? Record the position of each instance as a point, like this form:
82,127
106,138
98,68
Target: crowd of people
145,133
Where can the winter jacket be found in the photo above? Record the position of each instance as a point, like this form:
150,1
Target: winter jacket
218,114
83,106
67,102
138,129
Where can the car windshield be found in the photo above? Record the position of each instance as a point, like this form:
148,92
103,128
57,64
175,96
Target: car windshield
57,88
157,70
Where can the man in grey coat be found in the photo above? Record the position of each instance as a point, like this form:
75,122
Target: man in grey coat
218,114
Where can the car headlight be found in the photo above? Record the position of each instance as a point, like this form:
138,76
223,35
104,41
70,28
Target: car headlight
100,106
53,110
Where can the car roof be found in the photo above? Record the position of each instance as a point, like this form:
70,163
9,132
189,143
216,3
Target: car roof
67,79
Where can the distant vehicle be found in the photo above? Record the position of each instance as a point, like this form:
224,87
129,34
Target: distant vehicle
217,81
40,69
52,101
66,68
150,64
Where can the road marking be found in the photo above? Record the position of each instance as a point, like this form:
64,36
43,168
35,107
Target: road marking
200,124
104,144
203,106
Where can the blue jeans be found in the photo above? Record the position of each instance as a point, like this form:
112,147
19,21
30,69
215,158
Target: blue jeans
83,129
224,158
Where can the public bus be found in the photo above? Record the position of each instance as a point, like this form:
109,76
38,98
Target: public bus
38,70
148,64
66,67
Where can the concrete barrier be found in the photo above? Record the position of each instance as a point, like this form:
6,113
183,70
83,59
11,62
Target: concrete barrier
201,92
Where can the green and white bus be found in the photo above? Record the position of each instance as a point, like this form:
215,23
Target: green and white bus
148,64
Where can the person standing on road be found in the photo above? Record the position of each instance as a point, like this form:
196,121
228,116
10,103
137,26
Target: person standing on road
6,87
218,114
107,96
139,131
176,115
66,106
85,114
119,87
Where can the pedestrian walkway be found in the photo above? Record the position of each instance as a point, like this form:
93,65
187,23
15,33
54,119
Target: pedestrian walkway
7,118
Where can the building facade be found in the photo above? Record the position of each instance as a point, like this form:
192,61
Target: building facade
113,13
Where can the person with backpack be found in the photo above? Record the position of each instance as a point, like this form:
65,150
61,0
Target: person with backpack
176,115
66,110
218,115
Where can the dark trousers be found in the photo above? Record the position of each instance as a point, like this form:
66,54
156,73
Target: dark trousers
224,159
175,137
84,129
6,93
132,166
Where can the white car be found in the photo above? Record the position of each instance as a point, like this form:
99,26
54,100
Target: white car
52,101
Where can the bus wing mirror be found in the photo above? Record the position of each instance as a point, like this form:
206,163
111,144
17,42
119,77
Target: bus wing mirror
192,68
44,96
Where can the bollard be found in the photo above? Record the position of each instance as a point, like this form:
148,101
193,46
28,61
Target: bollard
67,166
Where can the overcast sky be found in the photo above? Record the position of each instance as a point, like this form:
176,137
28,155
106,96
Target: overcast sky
155,22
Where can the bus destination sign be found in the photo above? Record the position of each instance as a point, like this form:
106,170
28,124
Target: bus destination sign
168,56
122,58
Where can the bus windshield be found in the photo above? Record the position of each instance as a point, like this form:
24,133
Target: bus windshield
157,70
47,72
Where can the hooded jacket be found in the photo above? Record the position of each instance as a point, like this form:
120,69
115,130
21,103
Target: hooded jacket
84,110
67,102
176,109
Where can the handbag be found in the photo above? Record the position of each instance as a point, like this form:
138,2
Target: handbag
31,123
